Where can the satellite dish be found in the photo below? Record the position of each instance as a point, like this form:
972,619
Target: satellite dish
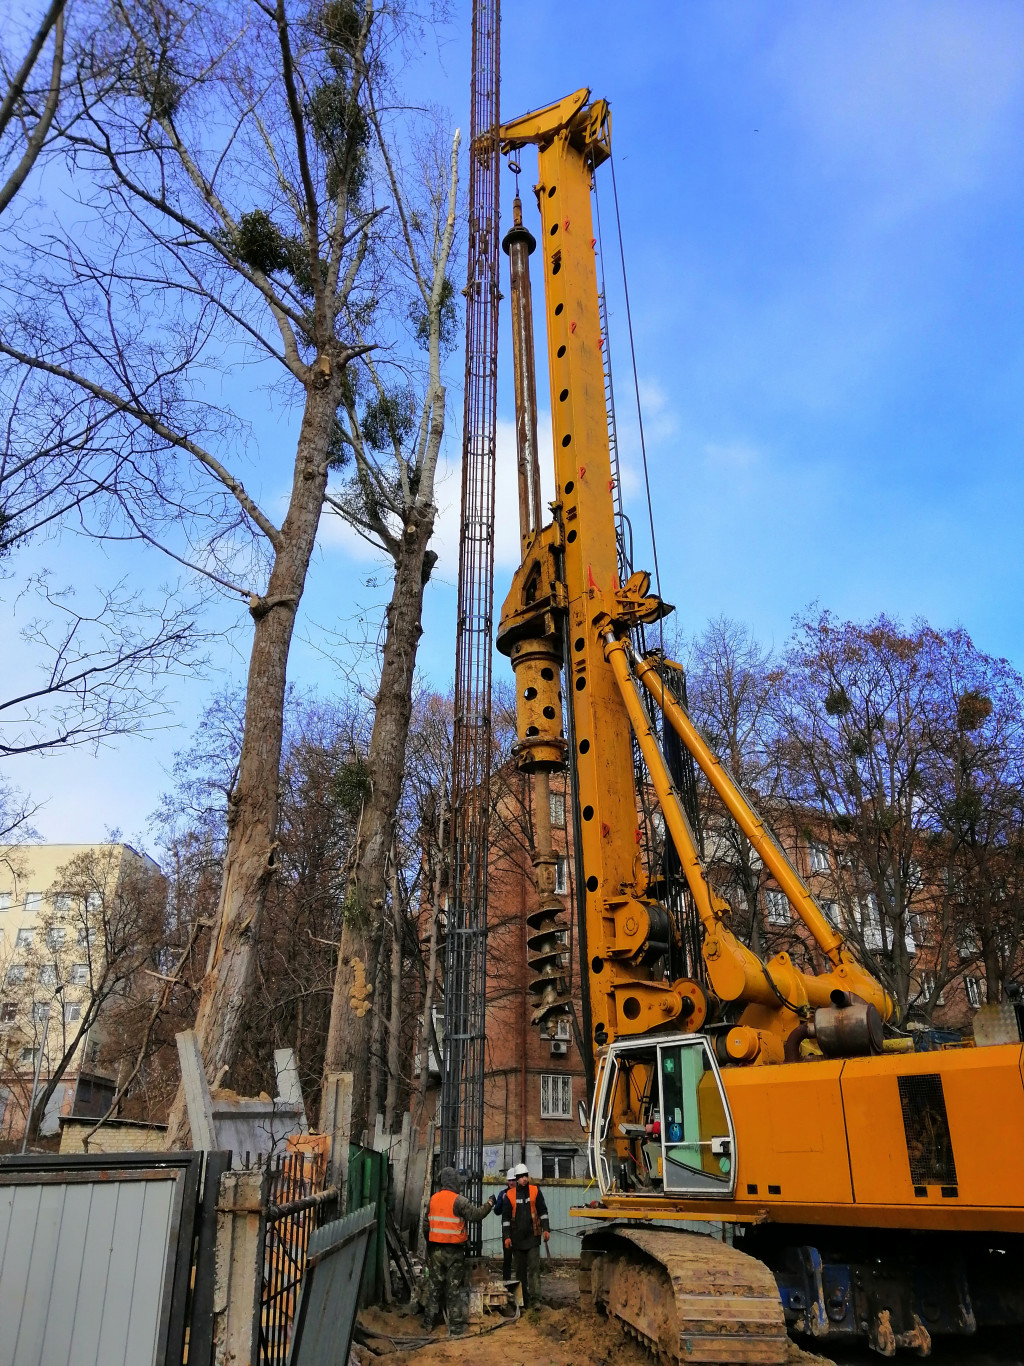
583,1115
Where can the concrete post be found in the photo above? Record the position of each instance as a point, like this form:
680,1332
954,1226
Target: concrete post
238,1276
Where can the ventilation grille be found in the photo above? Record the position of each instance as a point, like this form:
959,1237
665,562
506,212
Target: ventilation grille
926,1127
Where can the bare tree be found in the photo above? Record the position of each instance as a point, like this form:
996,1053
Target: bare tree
975,800
240,218
395,438
31,94
731,680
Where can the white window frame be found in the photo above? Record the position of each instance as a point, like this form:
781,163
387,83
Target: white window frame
72,1012
776,907
561,875
8,1012
23,939
556,1095
27,1056
5,901
48,975
818,859
556,808
870,920
928,986
33,902
55,936
973,988
63,903
15,974
79,976
40,1012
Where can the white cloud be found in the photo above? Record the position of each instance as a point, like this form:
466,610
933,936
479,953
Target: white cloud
912,99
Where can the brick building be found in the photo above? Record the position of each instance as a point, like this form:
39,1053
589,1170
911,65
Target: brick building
533,1082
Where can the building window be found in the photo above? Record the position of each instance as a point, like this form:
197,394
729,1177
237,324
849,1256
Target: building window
63,902
79,974
85,937
27,1057
48,975
928,986
72,1012
40,1012
8,1012
55,936
555,1096
831,909
870,922
555,1166
776,907
23,939
33,901
817,855
967,944
93,903
561,875
5,901
972,989
16,973
556,802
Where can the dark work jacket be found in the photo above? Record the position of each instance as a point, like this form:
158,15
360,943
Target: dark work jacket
519,1225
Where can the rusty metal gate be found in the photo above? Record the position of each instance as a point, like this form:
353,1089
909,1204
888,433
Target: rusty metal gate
294,1203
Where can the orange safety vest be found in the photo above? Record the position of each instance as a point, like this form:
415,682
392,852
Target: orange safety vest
445,1224
535,1218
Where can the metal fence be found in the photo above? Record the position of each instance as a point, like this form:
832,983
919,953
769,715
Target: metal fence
294,1202
97,1254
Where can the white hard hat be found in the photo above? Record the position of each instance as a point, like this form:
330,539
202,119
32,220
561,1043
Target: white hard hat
510,1175
522,1169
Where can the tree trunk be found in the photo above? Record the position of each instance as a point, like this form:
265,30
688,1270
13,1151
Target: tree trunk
252,806
395,1020
349,1036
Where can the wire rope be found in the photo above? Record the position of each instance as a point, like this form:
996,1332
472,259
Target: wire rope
636,389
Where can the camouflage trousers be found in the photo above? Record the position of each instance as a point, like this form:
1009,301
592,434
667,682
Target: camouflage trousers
446,1277
527,1272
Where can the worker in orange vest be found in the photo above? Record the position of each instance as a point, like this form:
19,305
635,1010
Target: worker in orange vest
446,1226
524,1222
509,1194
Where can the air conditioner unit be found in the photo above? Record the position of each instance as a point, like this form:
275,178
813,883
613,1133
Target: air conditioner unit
559,1048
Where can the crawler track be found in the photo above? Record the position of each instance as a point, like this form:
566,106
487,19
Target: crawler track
686,1296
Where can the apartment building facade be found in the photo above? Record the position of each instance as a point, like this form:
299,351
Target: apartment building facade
62,912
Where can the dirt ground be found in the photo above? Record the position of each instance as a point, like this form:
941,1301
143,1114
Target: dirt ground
557,1333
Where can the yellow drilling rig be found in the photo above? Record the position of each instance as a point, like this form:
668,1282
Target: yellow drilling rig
867,1192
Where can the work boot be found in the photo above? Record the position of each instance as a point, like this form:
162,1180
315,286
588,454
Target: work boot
427,1323
457,1330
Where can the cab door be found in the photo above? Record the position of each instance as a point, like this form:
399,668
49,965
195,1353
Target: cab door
698,1144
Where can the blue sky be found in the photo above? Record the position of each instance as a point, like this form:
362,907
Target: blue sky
823,211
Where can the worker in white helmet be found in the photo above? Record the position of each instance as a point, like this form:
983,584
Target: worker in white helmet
524,1222
508,1194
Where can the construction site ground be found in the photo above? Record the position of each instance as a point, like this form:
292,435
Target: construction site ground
559,1333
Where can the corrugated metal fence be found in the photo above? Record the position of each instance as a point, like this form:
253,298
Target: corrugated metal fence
95,1258
560,1197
